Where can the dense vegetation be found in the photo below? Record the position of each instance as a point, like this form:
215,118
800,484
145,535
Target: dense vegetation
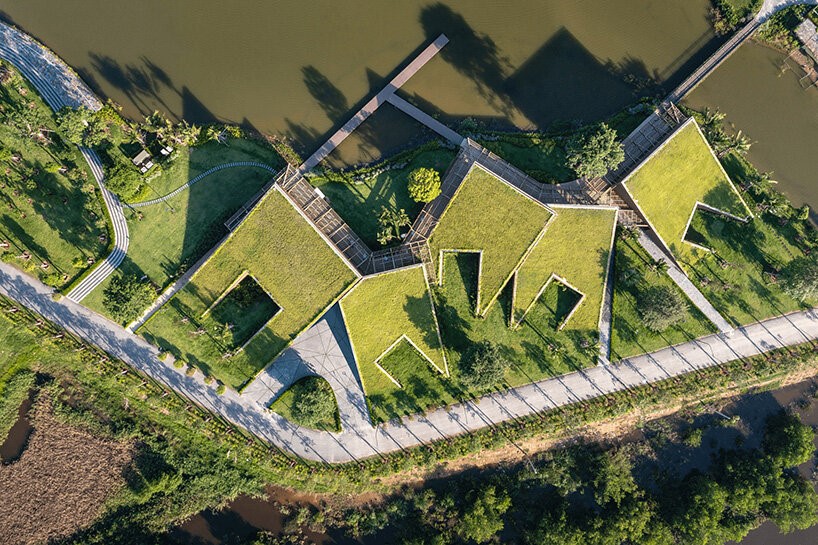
309,402
638,493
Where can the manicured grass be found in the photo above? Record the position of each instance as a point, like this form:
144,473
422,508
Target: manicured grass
682,173
286,401
559,301
575,246
734,279
541,157
535,349
359,203
169,238
490,216
632,276
422,386
380,310
288,259
53,216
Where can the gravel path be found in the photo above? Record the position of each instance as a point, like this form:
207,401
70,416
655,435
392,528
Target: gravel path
201,176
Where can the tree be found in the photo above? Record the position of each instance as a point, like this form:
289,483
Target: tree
81,126
483,519
314,402
787,440
483,365
127,296
424,184
594,153
124,180
613,480
799,277
390,223
661,307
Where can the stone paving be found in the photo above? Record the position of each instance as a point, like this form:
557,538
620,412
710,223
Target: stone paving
322,350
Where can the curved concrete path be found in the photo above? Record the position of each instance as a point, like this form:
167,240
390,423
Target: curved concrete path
356,442
60,86
201,176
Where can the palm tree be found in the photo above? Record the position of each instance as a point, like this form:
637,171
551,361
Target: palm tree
738,143
712,121
658,266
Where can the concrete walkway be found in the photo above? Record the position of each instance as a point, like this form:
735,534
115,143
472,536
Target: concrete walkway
374,103
322,350
60,86
201,176
356,442
681,280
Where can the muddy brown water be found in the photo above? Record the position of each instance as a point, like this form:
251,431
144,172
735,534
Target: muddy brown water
780,117
15,443
301,68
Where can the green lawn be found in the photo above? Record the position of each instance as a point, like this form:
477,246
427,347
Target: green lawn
288,258
734,279
359,203
682,173
488,215
286,401
575,246
541,157
422,387
379,311
52,215
169,238
632,276
535,349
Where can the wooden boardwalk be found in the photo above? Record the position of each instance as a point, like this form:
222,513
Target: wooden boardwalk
374,103
424,118
713,62
324,218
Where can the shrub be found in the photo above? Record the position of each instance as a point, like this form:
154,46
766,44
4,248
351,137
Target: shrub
799,278
314,402
594,153
661,307
124,181
424,184
190,371
483,365
221,389
126,296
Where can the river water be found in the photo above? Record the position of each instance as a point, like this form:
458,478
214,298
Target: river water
771,107
299,68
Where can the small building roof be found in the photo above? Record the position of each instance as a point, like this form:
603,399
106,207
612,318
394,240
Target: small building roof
141,158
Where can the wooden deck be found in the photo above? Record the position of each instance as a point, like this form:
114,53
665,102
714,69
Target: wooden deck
424,118
325,219
374,103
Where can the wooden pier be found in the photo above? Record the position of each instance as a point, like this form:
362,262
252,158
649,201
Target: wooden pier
374,103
